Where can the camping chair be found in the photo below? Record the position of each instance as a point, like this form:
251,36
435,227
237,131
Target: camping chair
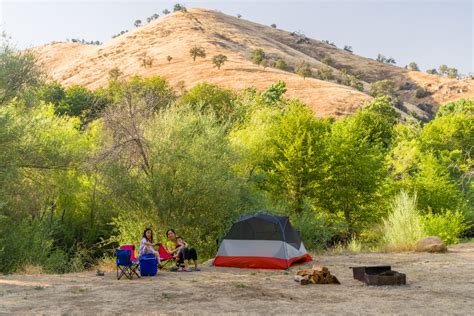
125,266
165,257
132,251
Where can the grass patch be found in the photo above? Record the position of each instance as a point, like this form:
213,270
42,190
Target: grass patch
242,286
39,288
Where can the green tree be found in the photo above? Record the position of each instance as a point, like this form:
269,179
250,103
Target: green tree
258,55
382,87
197,51
325,73
413,66
18,71
280,64
137,23
304,70
219,60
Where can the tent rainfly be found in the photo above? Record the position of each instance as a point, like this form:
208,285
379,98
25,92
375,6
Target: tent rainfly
261,241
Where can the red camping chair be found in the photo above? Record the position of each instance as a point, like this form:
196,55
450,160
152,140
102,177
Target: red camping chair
132,251
165,257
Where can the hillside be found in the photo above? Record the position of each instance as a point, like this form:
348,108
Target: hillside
217,33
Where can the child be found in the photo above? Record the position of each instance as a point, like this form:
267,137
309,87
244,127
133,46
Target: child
146,245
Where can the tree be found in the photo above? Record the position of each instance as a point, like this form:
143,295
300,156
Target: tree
413,66
258,55
382,59
348,48
197,51
239,15
304,70
452,73
145,60
169,58
115,73
443,70
382,87
166,12
179,7
273,25
432,71
219,60
326,60
137,23
264,64
18,72
280,64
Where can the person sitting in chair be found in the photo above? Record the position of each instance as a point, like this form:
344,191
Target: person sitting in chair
146,245
179,249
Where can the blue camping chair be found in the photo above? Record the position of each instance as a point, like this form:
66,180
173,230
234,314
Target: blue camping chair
125,266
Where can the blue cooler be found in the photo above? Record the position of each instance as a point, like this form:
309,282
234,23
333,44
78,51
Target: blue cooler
148,265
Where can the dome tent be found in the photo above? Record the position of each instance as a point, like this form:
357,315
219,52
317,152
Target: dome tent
261,241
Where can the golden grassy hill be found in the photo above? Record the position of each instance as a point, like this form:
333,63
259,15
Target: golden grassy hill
217,33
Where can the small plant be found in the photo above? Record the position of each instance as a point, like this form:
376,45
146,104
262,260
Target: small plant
304,70
166,12
39,288
219,60
197,51
447,226
280,64
403,227
239,15
169,58
242,286
273,25
432,71
258,55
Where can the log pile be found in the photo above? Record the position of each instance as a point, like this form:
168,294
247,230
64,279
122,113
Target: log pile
316,275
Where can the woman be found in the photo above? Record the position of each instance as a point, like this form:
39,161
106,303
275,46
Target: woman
181,251
146,245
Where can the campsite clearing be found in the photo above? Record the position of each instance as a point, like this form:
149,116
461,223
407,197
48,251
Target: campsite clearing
438,284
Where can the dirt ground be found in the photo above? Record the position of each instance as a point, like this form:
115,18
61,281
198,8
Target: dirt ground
438,284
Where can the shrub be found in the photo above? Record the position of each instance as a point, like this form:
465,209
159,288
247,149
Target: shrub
273,25
115,73
179,7
280,64
166,11
382,87
348,48
219,60
169,58
304,70
325,73
432,71
413,66
258,55
137,23
448,226
403,227
327,60
421,93
317,229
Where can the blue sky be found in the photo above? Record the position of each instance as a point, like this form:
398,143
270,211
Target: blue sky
427,32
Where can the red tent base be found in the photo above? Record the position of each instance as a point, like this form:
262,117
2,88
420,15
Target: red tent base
258,262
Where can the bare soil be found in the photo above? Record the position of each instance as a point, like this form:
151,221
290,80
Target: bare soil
438,284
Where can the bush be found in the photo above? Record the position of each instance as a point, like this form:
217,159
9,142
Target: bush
280,64
304,70
258,55
403,227
421,93
382,87
448,226
325,73
318,229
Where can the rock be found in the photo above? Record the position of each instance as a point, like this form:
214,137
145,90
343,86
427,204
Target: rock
430,244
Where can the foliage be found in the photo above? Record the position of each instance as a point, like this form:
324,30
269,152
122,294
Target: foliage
432,71
448,226
413,66
325,73
273,25
258,55
382,59
459,106
196,52
348,48
18,71
403,227
382,87
137,23
421,93
280,64
219,60
179,7
115,73
304,70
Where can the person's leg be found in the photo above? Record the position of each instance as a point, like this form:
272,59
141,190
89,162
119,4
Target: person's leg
193,256
186,258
